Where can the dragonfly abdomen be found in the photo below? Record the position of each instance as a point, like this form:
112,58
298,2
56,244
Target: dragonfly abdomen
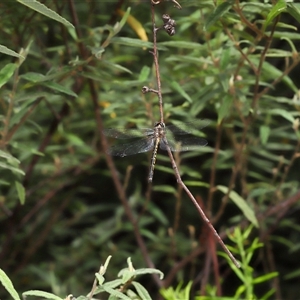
153,159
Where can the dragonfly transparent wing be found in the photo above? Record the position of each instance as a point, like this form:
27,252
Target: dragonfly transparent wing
121,133
185,144
188,128
140,146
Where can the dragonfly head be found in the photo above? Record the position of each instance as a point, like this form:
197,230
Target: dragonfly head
159,125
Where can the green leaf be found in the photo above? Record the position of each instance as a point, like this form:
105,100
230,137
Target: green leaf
132,42
33,77
144,74
272,72
44,10
123,20
181,45
45,81
274,12
284,113
264,133
59,88
111,284
6,282
265,277
115,293
7,51
176,86
149,271
196,183
287,34
13,169
9,157
41,294
106,263
218,13
100,278
21,192
6,73
224,109
142,292
225,58
165,189
294,10
241,203
292,275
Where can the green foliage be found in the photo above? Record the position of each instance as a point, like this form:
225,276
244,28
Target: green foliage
117,289
69,69
178,293
245,252
246,273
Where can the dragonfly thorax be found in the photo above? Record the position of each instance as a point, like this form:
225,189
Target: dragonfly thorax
159,129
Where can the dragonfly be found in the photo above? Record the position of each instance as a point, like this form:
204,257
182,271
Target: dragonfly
175,137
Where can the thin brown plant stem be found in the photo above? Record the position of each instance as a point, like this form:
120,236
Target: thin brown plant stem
238,10
5,131
214,168
6,211
23,119
76,23
288,167
146,203
237,166
113,17
181,264
94,287
178,199
277,80
206,271
42,202
272,268
127,177
52,129
37,240
35,227
156,64
177,208
260,65
244,56
73,171
211,256
199,209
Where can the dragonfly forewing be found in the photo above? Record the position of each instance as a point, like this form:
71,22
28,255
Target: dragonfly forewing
121,133
140,146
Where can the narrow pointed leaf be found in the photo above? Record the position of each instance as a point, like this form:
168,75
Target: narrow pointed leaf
8,51
6,73
6,282
241,203
44,10
222,9
21,192
43,294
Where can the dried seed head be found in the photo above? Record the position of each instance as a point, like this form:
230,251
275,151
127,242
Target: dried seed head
145,89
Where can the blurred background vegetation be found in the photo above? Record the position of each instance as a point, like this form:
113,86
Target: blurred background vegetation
66,206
